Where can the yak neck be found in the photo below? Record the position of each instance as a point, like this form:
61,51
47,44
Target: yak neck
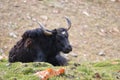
51,47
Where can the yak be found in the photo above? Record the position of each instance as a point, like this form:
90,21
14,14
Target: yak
42,45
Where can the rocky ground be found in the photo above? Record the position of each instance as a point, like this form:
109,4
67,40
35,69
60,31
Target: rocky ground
95,32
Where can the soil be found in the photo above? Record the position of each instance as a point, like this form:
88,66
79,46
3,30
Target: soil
95,31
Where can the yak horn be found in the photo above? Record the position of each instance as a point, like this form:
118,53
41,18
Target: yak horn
46,32
68,22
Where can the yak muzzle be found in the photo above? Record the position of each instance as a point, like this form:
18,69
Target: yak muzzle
67,49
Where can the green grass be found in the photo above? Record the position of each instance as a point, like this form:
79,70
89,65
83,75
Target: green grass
107,70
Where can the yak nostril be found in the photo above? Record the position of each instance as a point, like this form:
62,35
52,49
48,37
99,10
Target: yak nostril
69,48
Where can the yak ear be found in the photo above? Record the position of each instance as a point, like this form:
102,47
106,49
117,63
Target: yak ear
54,32
25,35
28,42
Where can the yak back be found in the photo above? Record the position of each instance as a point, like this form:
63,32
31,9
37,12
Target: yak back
32,43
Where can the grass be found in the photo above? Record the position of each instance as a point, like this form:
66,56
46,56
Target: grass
100,11
105,70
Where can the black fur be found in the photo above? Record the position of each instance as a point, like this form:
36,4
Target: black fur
35,46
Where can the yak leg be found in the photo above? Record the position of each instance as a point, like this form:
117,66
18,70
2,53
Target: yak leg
53,61
61,60
40,58
58,60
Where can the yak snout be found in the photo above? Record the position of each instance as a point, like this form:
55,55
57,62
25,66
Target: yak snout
67,49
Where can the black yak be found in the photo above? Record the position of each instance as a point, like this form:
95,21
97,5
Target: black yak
42,45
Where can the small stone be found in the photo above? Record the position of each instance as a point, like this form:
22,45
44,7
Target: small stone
86,13
74,54
8,64
85,42
25,1
1,57
76,64
102,30
101,34
116,30
12,34
55,11
101,53
113,0
97,75
5,47
81,33
44,17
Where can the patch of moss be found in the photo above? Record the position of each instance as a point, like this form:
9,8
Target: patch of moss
102,64
27,70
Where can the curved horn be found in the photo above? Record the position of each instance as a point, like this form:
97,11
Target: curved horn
46,32
68,22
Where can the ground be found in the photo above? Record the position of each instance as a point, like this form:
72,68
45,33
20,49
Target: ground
95,24
95,31
105,70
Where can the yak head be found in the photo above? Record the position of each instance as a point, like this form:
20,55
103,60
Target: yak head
60,36
61,39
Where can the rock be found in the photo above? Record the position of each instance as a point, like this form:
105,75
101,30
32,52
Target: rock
102,32
58,5
8,64
74,54
44,17
85,42
12,34
25,1
81,33
101,53
113,0
1,57
97,75
115,30
76,64
117,75
5,47
86,13
56,11
63,1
